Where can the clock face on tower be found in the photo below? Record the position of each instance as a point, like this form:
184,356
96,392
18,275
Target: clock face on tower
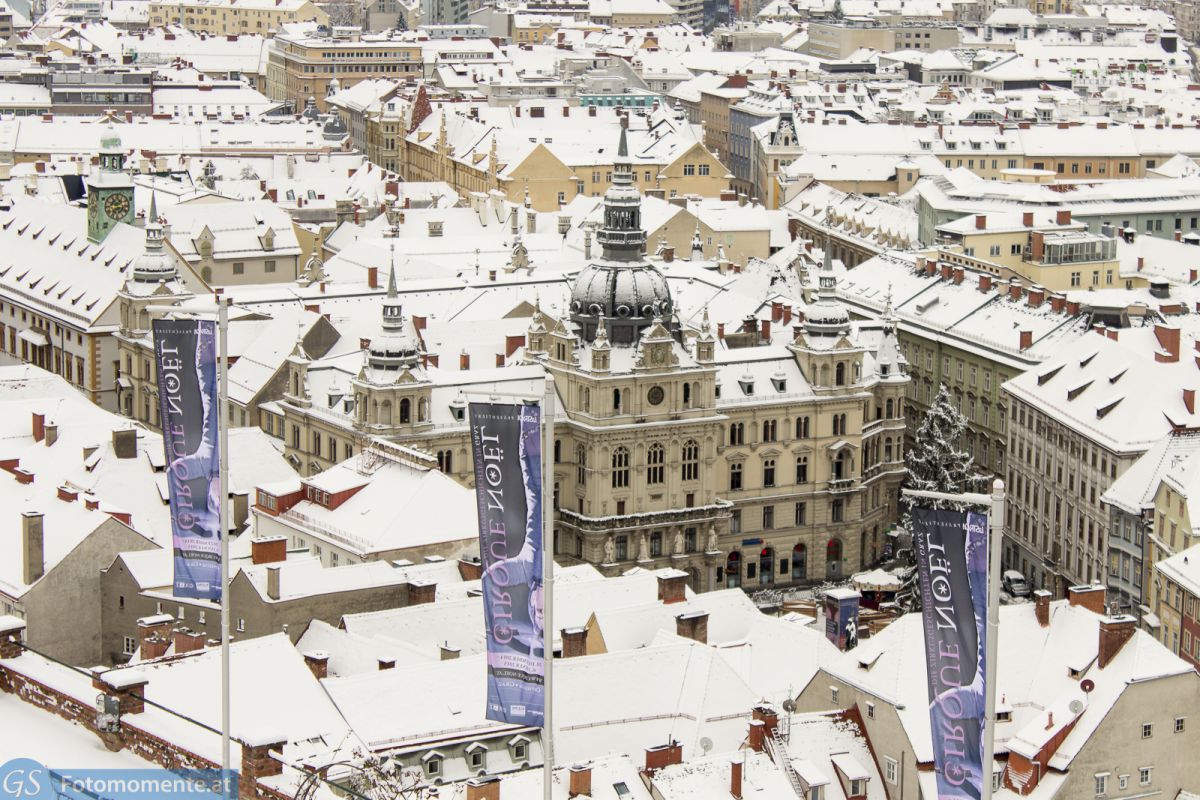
116,206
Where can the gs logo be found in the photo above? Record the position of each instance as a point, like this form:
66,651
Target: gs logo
25,779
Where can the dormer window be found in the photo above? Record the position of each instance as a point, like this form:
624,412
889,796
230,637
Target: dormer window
477,756
433,763
780,384
747,384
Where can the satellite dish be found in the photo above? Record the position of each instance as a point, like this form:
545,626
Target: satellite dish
789,705
1076,706
706,744
1087,685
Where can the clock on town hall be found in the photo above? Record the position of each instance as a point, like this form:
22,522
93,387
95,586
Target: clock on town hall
109,189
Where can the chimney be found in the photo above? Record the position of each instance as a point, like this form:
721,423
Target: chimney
386,662
981,222
1026,340
1027,219
668,255
1037,246
765,332
574,642
470,569
1073,308
11,630
735,779
663,755
484,788
1141,263
273,582
51,433
268,550
1168,342
373,277
318,662
129,686
257,761
464,361
32,546
187,641
1089,597
580,781
720,330
1062,216
1041,599
958,274
672,585
768,717
947,271
985,282
448,653
693,625
1114,633
124,442
776,312
68,494
39,426
1189,400
1036,297
757,735
1014,291
1057,303
421,592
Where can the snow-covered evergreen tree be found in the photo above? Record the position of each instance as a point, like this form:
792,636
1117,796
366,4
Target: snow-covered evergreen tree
935,464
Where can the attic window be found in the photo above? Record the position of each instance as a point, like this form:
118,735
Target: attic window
1116,376
1045,376
1077,390
1003,716
780,384
1086,360
1102,411
435,227
747,386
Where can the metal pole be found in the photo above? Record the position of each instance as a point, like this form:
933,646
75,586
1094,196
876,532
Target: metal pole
995,552
548,585
223,517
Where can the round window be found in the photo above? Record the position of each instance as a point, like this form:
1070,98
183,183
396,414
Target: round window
655,395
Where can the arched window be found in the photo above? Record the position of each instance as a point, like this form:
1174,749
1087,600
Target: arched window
423,410
768,430
837,424
766,566
891,407
833,558
733,570
737,433
620,468
799,562
616,401
405,411
801,427
887,449
839,373
445,460
687,395
385,411
691,460
587,400
580,464
656,459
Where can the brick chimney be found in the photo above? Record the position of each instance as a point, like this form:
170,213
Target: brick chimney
257,761
735,779
981,222
693,625
1026,340
1089,597
421,592
768,717
580,781
1062,216
373,277
386,662
672,585
1027,219
757,736
1189,400
958,274
1057,303
268,550
470,569
187,641
318,662
1114,633
464,360
985,282
11,633
574,642
33,551
663,755
39,426
947,271
1073,308
129,687
1041,601
1014,291
1168,342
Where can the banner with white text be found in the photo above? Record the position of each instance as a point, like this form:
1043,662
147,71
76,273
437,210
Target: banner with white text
186,353
952,555
507,447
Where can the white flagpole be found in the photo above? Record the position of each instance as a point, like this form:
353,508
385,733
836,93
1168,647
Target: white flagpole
548,585
223,516
995,553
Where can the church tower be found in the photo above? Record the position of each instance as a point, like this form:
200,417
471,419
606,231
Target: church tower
109,190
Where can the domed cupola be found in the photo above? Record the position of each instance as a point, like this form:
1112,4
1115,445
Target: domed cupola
621,287
154,264
395,348
827,316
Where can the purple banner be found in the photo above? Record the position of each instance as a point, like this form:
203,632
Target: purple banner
186,353
952,555
506,442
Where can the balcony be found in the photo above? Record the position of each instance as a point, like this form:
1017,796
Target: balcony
841,485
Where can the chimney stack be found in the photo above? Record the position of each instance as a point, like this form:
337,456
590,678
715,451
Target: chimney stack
1089,597
1041,599
187,641
985,282
273,582
735,780
318,662
1063,216
484,788
980,222
672,586
1114,633
32,546
1026,340
663,755
1168,342
268,550
580,781
124,443
693,625
574,642
1027,219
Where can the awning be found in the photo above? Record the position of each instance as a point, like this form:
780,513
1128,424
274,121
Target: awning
34,337
124,382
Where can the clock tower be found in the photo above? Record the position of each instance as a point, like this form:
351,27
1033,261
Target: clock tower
109,190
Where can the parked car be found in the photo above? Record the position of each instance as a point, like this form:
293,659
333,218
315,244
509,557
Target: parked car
1015,584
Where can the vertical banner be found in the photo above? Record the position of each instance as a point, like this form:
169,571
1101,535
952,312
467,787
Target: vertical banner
186,353
507,446
841,617
952,556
